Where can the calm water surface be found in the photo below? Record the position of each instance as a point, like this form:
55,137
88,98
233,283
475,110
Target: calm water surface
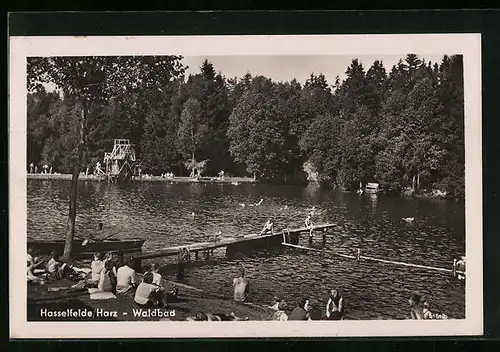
162,213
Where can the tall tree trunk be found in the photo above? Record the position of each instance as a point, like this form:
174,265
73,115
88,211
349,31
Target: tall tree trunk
68,245
193,168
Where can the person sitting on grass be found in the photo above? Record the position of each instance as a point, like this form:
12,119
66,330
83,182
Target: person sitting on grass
116,259
30,256
148,295
201,316
280,314
126,277
107,278
301,312
155,269
276,302
314,312
32,278
97,266
53,267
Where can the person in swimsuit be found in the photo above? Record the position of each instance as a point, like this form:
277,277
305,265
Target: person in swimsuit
335,306
241,287
268,227
309,225
147,294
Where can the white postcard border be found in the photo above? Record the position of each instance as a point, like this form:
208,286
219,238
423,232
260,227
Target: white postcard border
468,45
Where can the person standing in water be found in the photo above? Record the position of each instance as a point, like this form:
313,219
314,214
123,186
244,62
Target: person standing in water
241,286
182,258
335,306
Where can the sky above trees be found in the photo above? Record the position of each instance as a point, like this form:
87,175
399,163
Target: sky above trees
285,68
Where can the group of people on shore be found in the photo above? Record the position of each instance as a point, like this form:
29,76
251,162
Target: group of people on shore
110,274
94,170
107,273
44,169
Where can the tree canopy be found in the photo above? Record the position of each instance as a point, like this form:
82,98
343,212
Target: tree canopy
401,126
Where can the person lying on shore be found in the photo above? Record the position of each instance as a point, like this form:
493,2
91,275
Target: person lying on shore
280,314
241,286
149,295
201,316
125,277
427,314
301,312
97,265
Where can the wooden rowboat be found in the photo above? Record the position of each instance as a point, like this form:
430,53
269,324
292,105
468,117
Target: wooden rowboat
83,248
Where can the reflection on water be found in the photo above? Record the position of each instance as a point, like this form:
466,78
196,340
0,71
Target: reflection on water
162,213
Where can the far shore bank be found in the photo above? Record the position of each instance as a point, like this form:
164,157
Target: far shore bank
433,194
145,178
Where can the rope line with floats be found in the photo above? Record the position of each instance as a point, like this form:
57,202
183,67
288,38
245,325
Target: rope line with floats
458,269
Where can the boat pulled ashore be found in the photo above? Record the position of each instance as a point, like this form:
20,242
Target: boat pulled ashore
86,248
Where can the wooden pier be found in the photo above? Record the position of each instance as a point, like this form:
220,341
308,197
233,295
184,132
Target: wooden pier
238,244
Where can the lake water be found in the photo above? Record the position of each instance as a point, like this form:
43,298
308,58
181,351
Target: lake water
162,213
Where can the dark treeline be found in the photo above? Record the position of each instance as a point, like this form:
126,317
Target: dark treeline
403,128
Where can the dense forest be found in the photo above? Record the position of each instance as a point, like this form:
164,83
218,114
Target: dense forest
403,128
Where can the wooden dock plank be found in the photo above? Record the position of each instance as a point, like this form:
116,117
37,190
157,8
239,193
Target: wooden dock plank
224,242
